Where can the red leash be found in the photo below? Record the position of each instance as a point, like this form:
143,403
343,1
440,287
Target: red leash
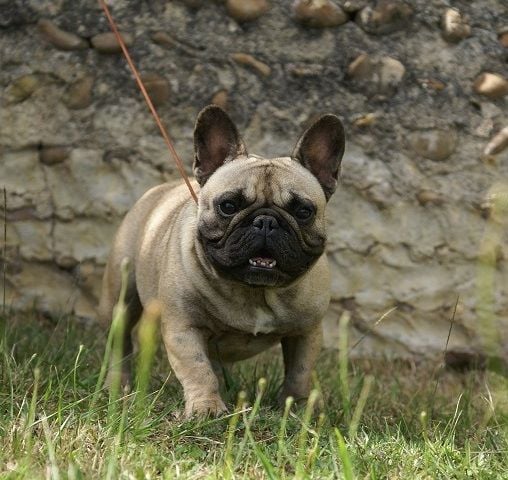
141,86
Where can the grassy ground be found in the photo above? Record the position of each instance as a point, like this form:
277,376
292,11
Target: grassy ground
378,420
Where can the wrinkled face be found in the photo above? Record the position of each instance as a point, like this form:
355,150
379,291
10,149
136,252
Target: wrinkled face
261,222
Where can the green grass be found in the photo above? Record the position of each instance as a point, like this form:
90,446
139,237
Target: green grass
378,420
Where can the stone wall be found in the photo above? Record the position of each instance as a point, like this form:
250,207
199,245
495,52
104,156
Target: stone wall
411,226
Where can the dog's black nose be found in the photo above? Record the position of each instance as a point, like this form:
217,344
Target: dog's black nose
265,223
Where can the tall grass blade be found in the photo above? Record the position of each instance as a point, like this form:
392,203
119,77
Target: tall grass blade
117,351
360,405
303,434
112,464
487,271
347,467
312,456
73,471
228,469
107,359
424,423
438,376
32,411
147,335
343,365
281,437
4,260
252,416
75,370
54,472
270,470
371,328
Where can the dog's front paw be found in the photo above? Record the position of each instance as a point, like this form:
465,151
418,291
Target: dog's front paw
205,407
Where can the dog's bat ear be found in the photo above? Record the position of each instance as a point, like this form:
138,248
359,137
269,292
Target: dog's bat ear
216,141
320,150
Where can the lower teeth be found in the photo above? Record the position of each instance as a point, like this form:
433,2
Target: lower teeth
261,263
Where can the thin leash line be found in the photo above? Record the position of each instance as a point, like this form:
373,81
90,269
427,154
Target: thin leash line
141,86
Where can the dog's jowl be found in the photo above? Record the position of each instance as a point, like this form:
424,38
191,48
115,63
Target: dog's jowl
243,269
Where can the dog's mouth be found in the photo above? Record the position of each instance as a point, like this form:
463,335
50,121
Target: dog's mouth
263,260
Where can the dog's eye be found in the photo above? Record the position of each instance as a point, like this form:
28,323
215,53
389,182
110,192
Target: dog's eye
227,207
304,213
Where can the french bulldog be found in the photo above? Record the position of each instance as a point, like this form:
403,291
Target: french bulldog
240,271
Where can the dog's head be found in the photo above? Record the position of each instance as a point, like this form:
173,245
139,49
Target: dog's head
261,221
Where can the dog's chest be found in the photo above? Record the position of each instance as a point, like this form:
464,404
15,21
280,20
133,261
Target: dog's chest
251,320
246,329
260,319
264,321
256,316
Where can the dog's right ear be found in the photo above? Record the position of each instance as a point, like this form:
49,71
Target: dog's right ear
216,141
320,150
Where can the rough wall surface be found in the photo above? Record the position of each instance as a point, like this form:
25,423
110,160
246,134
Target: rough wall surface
411,226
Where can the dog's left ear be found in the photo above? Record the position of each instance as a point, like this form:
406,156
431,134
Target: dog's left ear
216,141
320,150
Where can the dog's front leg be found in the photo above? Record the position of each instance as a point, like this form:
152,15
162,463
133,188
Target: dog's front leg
300,355
188,356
